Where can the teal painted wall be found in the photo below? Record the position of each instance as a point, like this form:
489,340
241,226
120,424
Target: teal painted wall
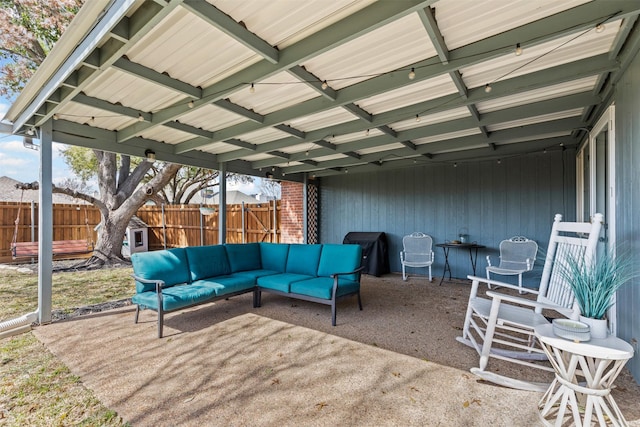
627,127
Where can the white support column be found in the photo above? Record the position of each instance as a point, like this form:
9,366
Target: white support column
222,204
45,225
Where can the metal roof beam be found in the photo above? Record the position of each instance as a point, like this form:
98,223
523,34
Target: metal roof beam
238,31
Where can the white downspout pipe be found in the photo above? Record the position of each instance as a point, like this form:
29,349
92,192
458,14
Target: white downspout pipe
18,325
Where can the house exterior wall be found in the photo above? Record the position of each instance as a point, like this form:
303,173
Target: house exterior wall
627,126
490,201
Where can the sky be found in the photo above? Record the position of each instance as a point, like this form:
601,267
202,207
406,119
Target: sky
23,164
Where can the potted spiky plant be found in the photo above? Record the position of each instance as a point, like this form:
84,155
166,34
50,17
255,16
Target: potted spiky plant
595,282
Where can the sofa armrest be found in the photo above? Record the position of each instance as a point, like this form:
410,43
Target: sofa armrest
159,283
358,270
336,276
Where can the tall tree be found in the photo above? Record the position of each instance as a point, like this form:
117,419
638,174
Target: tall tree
28,31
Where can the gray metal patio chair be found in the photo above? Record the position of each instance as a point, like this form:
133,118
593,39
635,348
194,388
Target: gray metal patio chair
517,256
417,252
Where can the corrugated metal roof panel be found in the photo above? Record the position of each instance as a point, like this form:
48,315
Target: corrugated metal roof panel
445,136
212,118
536,95
274,93
178,46
535,119
465,21
118,87
321,120
430,119
379,148
282,23
80,113
165,134
409,94
399,43
263,135
564,50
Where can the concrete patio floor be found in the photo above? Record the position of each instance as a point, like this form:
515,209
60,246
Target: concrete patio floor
394,363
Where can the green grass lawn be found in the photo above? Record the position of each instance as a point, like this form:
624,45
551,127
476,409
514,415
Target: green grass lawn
36,389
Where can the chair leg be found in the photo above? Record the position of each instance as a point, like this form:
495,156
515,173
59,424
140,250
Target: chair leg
520,284
160,321
430,277
359,301
404,274
333,313
489,333
137,313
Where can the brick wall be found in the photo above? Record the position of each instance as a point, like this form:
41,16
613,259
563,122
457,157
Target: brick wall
291,212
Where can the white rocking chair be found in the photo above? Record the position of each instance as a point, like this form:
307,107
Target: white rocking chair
517,256
417,252
501,326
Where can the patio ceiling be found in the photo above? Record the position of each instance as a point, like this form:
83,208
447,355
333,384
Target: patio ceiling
327,87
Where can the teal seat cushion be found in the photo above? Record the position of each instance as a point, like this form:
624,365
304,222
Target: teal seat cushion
281,282
303,259
175,297
321,287
207,261
243,256
254,274
274,256
340,259
170,265
224,285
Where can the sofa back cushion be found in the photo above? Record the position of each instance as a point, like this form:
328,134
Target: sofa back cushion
274,256
207,261
170,265
340,259
243,256
303,259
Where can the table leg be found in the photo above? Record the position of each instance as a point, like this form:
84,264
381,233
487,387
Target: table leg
474,260
447,267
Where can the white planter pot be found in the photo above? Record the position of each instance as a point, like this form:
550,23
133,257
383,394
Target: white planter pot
598,327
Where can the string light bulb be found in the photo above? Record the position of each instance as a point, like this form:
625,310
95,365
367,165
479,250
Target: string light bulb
31,131
252,89
366,133
56,116
190,104
140,118
417,117
455,165
599,28
518,50
487,88
499,161
324,85
412,74
92,120
306,153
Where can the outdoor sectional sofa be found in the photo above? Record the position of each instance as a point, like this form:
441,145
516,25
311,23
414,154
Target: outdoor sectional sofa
173,279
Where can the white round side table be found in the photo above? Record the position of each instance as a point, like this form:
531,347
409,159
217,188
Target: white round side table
585,372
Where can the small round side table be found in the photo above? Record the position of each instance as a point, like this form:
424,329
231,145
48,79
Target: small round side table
585,372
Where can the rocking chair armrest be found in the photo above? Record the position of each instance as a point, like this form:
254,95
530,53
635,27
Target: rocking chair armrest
522,301
501,284
159,283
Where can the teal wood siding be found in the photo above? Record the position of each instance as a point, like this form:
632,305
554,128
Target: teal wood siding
491,200
627,127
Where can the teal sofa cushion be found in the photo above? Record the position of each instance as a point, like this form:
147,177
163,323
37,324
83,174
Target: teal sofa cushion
175,297
254,274
321,287
207,261
340,259
281,282
303,259
224,285
243,256
170,265
274,256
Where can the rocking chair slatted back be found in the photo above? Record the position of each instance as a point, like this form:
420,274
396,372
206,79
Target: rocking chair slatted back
554,287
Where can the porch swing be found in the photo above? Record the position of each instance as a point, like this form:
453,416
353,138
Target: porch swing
59,247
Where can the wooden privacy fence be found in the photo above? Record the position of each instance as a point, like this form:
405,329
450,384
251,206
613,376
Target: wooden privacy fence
169,225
